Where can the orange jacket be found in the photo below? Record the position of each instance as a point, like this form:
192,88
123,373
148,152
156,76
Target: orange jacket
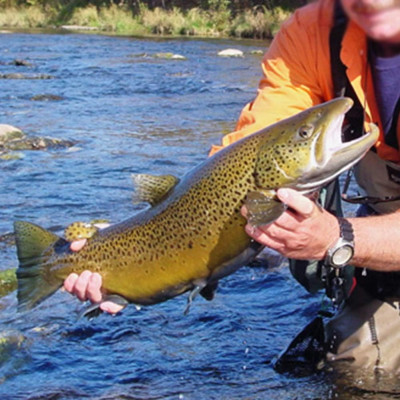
297,74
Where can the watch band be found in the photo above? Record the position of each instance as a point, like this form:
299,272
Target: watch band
346,230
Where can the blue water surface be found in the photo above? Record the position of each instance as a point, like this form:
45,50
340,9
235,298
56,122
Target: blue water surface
129,111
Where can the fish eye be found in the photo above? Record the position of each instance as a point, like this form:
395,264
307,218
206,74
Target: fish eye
305,131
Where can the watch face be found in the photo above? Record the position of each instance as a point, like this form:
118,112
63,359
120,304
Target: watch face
342,255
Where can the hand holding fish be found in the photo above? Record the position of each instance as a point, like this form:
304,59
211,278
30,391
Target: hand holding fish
304,231
87,285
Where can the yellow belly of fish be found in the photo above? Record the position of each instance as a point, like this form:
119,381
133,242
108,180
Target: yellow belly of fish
155,280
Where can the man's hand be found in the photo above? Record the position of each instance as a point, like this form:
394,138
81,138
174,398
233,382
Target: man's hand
87,285
304,232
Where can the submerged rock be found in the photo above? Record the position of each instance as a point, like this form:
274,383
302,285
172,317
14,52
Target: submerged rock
25,76
162,55
13,139
11,156
257,52
7,239
8,281
37,143
11,341
169,56
21,63
230,53
46,97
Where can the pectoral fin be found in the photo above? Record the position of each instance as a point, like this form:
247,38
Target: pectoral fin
199,285
151,188
263,208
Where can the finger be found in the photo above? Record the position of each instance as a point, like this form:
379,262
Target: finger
102,225
78,244
264,238
296,201
289,220
81,285
93,289
110,307
70,281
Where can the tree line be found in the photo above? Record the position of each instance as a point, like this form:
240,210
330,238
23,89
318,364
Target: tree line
233,5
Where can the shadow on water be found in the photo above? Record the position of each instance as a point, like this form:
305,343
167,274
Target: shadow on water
130,114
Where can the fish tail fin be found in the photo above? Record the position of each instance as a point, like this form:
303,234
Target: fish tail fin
33,283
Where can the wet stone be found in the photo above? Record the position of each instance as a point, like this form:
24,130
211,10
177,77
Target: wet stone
8,281
25,76
9,133
13,139
37,143
46,97
21,63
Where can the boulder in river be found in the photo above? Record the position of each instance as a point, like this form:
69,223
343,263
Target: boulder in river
9,133
46,97
21,63
13,139
169,56
25,76
8,281
231,53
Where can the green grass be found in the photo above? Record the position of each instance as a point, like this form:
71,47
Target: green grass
217,22
26,17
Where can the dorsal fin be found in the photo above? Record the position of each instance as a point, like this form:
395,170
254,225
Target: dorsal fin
152,188
80,230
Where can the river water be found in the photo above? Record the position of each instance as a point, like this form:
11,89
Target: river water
129,111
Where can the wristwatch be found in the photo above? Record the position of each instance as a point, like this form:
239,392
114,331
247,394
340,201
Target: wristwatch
342,251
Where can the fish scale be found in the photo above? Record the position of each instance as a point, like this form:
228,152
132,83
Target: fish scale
193,234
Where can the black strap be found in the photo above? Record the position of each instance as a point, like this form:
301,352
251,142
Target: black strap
338,69
391,137
341,84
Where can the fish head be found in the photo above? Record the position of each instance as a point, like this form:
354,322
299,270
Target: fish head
306,151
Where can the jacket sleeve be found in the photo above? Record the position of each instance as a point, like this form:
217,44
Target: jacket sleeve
290,82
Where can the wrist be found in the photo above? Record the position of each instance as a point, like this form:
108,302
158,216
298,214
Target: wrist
341,250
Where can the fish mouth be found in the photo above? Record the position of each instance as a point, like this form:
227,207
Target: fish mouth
331,156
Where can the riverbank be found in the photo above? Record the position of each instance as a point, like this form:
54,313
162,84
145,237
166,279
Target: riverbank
257,23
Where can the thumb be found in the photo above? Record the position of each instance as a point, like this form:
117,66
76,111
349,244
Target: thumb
76,245
301,204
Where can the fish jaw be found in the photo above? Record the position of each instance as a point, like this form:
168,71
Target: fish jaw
333,156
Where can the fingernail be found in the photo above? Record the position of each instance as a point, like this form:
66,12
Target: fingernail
283,194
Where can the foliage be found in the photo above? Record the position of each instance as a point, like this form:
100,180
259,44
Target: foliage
258,22
240,18
32,17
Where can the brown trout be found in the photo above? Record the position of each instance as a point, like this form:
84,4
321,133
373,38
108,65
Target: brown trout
193,234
